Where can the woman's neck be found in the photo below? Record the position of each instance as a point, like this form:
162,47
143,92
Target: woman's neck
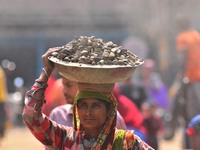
93,133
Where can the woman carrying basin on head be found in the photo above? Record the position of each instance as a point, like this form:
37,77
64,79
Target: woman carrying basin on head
94,121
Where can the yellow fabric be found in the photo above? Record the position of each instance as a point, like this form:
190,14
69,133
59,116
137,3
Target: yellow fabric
3,87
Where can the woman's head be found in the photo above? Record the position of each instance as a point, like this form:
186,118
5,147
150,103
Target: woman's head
93,113
95,110
93,104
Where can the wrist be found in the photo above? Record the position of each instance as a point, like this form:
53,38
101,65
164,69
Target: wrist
45,72
41,84
44,76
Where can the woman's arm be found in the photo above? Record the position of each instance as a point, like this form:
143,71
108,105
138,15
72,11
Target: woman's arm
46,131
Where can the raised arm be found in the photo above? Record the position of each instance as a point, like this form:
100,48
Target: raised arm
45,130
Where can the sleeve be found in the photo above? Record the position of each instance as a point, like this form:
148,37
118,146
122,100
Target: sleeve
45,130
120,122
133,142
140,145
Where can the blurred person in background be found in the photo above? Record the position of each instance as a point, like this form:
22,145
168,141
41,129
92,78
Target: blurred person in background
153,123
63,114
193,131
186,101
133,88
130,113
154,86
158,100
53,94
3,98
134,91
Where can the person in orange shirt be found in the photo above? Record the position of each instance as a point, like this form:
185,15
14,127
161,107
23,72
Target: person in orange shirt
188,43
187,99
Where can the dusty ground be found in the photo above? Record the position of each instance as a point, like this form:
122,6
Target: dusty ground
22,139
19,139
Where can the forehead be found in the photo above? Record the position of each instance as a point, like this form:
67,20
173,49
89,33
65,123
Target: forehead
67,81
90,100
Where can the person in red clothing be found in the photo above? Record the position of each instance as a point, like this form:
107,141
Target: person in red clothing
130,113
53,95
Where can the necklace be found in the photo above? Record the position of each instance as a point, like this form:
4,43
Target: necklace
87,142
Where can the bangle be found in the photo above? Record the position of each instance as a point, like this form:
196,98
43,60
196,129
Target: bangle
45,72
31,93
41,84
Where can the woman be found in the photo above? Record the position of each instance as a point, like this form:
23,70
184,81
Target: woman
94,124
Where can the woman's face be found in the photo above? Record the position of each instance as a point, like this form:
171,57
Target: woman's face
92,113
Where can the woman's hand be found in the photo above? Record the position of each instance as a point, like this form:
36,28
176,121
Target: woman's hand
48,66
